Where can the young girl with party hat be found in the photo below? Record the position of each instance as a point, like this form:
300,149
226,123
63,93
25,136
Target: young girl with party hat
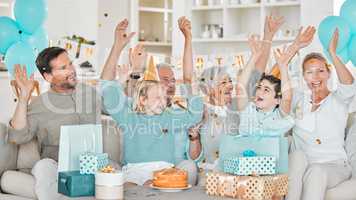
148,124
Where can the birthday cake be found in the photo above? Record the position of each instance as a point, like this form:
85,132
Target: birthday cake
170,178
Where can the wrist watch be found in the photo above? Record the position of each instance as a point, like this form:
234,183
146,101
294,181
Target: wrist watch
135,75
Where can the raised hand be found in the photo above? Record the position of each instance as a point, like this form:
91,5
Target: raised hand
25,85
272,25
121,36
255,46
186,27
282,57
333,43
137,57
124,71
305,38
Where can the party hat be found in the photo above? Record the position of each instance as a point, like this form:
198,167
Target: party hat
276,72
151,73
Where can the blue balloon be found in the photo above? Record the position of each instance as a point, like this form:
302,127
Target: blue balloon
9,33
348,12
327,28
352,50
38,41
30,14
23,54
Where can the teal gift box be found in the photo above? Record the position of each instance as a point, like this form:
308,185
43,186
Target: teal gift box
74,184
90,162
232,145
255,165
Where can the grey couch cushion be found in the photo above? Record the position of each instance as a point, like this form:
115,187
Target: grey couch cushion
8,152
19,184
12,197
350,144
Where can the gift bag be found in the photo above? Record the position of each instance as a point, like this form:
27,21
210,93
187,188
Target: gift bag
74,141
277,147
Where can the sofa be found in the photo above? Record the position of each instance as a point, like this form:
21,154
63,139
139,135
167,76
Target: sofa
24,156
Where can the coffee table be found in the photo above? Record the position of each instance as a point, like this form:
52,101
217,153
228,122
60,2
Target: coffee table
144,193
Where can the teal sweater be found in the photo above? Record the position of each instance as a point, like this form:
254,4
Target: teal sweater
149,137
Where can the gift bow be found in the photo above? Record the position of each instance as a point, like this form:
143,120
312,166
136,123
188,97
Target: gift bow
249,153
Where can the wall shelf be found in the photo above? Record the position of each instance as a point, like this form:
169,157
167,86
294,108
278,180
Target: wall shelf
255,5
282,4
152,20
158,10
156,44
200,8
239,21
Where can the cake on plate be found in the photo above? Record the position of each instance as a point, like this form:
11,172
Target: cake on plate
170,178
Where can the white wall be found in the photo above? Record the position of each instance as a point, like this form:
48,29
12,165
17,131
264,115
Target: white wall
337,6
313,12
68,17
117,10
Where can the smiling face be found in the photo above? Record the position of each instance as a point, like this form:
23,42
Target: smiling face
266,96
316,74
155,100
63,75
222,92
167,78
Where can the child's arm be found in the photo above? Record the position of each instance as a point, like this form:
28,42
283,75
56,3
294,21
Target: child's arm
185,27
282,59
121,40
344,75
271,26
137,58
244,77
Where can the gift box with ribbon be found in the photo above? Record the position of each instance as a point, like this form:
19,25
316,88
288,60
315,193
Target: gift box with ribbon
250,164
91,162
276,147
246,187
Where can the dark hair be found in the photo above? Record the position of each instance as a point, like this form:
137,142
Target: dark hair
316,56
275,81
45,57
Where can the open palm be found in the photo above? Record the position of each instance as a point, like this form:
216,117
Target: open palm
121,37
25,85
305,38
137,57
282,57
255,45
272,25
334,41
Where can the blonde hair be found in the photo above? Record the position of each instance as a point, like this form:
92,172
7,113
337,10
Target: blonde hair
316,56
141,90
